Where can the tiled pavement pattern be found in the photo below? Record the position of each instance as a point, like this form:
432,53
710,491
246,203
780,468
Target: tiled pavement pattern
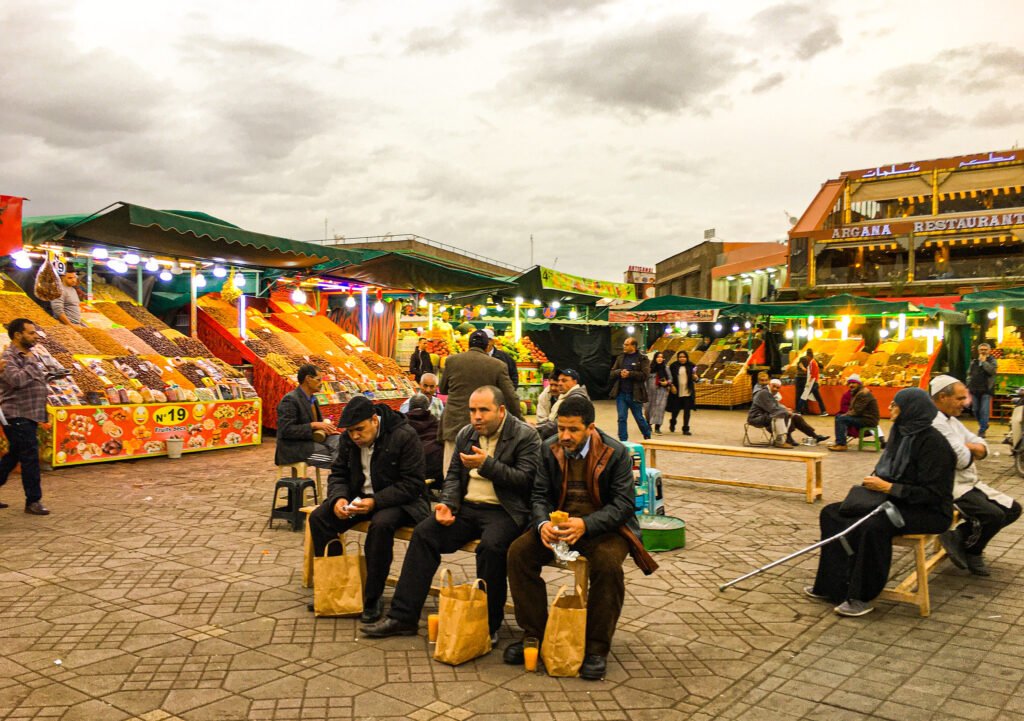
158,587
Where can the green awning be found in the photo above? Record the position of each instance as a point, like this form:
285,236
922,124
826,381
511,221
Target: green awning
678,302
837,305
184,234
987,299
547,284
397,269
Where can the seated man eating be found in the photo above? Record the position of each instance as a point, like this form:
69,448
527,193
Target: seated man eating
589,475
377,477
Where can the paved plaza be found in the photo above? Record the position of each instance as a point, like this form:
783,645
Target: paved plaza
156,592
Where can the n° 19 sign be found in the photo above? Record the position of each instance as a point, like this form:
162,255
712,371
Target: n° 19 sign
170,414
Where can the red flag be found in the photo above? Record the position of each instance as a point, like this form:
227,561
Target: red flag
10,224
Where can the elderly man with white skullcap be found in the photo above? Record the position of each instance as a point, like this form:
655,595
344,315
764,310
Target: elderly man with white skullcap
985,510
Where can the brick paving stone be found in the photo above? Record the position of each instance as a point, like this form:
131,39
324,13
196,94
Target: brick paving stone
168,599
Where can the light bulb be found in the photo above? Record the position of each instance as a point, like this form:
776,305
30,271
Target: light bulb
443,308
992,315
219,271
483,311
200,280
131,258
810,319
536,302
165,275
573,315
519,299
630,329
499,307
747,325
239,280
893,325
378,307
884,333
531,313
735,328
668,329
298,296
152,266
99,253
350,302
693,327
22,259
718,327
423,302
117,265
788,334
176,268
555,304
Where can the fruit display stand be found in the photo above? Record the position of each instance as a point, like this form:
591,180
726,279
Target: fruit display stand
894,365
277,343
130,383
721,370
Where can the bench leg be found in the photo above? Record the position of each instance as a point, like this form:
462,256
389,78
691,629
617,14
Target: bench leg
924,602
819,480
810,481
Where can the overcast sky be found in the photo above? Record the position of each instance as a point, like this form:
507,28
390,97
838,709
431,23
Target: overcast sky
613,131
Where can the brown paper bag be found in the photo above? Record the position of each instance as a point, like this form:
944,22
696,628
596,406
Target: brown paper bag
463,629
338,582
565,636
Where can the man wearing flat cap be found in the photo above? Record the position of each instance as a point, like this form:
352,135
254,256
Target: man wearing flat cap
985,510
463,374
376,477
568,385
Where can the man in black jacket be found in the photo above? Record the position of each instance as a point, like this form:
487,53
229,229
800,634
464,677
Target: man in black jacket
486,496
590,476
495,352
303,436
421,361
378,476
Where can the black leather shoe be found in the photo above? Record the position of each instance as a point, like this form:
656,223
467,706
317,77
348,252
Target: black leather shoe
3,505
513,655
372,612
37,509
594,667
976,565
387,627
950,541
309,607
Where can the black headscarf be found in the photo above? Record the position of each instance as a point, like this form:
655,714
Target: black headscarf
660,369
916,415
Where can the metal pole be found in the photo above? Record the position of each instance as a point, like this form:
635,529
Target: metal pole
138,283
884,508
192,314
88,278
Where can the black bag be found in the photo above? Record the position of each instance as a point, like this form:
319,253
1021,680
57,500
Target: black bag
861,501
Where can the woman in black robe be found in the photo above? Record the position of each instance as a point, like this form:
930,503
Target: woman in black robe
916,471
683,391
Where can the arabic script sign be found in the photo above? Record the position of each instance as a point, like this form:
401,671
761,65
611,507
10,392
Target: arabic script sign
663,316
962,161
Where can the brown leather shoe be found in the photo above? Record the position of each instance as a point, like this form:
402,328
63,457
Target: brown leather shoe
3,505
37,509
839,449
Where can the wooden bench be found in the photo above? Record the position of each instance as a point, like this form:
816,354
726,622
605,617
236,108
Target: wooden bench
812,459
579,567
914,588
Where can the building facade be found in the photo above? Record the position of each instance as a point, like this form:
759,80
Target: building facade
932,227
719,270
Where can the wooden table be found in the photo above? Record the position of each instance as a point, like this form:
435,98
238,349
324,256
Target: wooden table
812,459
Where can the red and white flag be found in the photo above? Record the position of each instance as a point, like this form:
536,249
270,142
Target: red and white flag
10,224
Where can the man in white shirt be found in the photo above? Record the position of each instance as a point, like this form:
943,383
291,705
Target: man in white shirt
985,510
428,387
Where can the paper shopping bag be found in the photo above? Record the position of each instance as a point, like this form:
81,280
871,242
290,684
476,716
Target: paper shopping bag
338,582
463,629
565,636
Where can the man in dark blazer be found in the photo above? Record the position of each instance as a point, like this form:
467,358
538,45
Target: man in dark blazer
495,352
303,436
420,362
378,476
486,496
463,374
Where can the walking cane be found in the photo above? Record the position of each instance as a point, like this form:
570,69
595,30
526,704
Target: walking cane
895,517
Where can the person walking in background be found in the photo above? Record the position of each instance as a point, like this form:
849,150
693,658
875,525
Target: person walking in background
682,392
421,362
811,376
628,377
22,408
981,382
658,385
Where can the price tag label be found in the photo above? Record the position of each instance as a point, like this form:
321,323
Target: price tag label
170,414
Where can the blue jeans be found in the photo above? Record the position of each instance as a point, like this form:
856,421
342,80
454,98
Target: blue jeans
843,422
981,405
21,434
625,403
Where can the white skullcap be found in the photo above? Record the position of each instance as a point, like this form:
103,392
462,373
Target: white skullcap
938,383
775,382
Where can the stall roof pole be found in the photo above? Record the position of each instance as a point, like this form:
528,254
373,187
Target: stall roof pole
430,316
363,330
88,279
192,314
138,283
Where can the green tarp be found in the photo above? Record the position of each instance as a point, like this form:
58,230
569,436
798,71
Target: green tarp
677,302
396,269
837,305
986,299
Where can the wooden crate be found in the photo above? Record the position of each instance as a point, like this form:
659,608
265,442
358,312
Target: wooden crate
727,395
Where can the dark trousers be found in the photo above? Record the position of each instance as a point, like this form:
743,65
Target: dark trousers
684,404
983,519
491,525
843,422
324,526
797,423
801,404
605,555
24,449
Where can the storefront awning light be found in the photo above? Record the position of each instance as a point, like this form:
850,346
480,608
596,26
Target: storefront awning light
152,265
165,275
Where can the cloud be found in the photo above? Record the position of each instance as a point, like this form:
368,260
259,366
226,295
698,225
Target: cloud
964,71
803,30
434,41
670,67
899,123
542,10
767,83
999,115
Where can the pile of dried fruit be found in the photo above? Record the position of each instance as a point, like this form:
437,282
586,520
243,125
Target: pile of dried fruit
194,374
258,347
141,314
192,348
71,339
17,305
52,344
102,341
143,371
131,341
156,341
116,313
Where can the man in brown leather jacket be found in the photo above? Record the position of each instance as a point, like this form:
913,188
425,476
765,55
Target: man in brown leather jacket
589,475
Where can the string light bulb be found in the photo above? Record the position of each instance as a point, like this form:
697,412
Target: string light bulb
239,280
200,280
152,266
378,307
22,259
350,302
299,296
99,254
117,265
219,271
131,258
165,275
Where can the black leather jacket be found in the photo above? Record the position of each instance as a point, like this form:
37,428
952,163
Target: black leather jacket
396,468
511,468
